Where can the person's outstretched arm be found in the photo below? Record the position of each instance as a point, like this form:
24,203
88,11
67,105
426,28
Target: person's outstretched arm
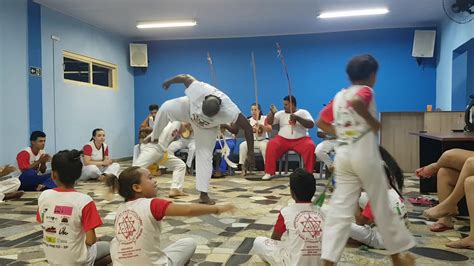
185,79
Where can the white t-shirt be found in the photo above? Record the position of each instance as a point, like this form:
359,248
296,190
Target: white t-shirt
261,121
65,216
301,225
26,158
396,204
283,119
96,154
348,124
137,233
196,93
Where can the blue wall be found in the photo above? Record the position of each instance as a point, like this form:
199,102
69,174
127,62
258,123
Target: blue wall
13,79
316,64
34,60
452,37
73,111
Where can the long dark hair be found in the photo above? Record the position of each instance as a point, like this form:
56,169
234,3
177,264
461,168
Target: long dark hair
67,164
94,132
123,184
393,171
259,110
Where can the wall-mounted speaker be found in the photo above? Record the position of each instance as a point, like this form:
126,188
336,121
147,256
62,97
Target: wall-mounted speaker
424,43
138,55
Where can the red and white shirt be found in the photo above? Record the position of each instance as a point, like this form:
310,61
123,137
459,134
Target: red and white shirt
65,216
348,124
196,93
396,204
301,226
286,127
26,157
96,154
261,121
137,233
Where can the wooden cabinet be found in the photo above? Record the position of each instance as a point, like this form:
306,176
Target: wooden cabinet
396,126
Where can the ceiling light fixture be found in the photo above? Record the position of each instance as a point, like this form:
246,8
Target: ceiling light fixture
354,13
166,24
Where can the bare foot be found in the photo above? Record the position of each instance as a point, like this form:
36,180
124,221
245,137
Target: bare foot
465,243
441,210
443,224
426,171
174,192
14,195
40,187
102,178
204,199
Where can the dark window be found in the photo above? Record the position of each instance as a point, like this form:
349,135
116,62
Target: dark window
102,76
76,70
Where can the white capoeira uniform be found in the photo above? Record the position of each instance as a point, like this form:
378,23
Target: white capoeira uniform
324,149
151,153
183,143
9,183
189,109
369,235
94,171
301,226
260,142
358,166
137,236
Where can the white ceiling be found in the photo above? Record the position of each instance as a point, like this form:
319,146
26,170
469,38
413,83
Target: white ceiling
243,18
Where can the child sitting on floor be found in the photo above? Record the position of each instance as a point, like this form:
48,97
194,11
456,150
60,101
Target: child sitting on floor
69,218
138,221
364,230
296,238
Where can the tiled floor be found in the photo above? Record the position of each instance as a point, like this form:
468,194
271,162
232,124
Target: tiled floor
222,240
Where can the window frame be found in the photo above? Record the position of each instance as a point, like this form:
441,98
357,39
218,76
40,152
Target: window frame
92,61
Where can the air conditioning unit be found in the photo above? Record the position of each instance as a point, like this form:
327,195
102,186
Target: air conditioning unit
138,55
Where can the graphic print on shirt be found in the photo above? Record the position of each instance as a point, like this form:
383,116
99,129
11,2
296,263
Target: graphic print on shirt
130,227
56,226
308,225
200,121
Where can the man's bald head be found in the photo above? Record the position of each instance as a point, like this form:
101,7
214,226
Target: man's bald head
211,105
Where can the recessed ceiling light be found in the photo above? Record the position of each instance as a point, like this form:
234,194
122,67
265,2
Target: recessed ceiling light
354,13
166,24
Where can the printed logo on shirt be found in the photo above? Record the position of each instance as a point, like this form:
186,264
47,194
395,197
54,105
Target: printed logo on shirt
50,239
308,225
130,227
51,229
63,210
64,220
63,231
198,120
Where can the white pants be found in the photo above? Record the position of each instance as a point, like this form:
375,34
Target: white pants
366,235
94,171
323,150
260,145
151,153
9,184
180,252
205,138
97,251
359,165
184,144
268,250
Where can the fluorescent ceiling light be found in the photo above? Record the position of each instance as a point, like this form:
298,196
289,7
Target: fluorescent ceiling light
354,13
166,24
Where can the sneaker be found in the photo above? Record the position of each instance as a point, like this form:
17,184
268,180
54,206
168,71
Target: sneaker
267,177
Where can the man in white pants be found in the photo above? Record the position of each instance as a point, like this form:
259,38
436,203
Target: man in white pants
184,143
206,108
9,183
157,152
324,149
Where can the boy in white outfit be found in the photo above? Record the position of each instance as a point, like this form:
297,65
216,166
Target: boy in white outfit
157,152
206,108
296,238
351,117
